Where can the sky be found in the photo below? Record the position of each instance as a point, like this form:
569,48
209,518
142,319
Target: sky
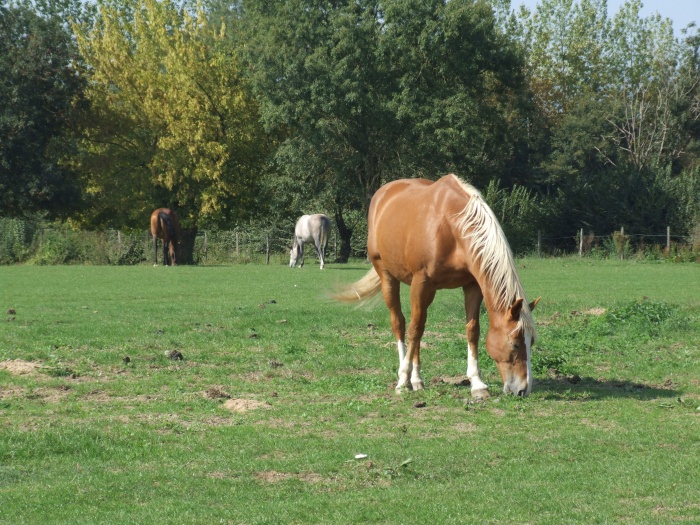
681,12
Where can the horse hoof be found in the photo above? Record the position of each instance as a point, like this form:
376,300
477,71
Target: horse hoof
419,385
481,395
400,389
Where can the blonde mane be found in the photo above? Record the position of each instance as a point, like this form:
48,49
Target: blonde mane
490,249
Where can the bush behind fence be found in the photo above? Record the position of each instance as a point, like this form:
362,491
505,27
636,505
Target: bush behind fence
32,243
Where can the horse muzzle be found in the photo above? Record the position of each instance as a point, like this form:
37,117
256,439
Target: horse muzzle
517,387
516,384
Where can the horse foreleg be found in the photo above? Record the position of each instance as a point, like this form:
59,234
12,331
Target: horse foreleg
421,298
301,253
391,289
166,244
472,305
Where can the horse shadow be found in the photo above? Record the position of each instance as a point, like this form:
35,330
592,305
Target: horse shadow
568,387
575,388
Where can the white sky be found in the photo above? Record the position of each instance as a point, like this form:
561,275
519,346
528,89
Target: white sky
681,12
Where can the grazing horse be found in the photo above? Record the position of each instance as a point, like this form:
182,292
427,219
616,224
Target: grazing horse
310,228
435,235
164,225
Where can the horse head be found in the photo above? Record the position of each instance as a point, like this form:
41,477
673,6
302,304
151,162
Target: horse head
294,254
509,342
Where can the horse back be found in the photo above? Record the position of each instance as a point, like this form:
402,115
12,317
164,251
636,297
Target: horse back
311,227
412,230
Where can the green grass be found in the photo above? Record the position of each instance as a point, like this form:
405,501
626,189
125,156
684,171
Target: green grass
610,434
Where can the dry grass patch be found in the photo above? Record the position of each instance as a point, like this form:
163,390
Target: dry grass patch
241,406
19,367
272,476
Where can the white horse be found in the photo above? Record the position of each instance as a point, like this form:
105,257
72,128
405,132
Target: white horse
310,228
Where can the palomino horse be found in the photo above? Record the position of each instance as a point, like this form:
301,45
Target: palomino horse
310,228
164,225
435,235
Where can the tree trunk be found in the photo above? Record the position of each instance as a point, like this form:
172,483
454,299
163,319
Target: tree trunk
186,255
345,236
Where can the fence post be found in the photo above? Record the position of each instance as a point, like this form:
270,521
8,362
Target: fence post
539,243
205,246
267,249
622,240
119,241
668,239
237,252
580,243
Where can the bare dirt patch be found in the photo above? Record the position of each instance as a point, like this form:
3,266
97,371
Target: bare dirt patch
272,476
595,311
7,393
19,367
216,392
53,394
244,405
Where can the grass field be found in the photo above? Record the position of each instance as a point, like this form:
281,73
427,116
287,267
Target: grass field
278,389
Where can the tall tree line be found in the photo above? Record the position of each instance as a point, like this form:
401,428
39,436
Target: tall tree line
260,111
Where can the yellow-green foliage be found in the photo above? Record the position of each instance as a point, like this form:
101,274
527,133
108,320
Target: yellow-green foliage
170,109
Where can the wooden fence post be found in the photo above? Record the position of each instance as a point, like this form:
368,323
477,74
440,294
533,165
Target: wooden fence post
237,252
206,245
580,243
622,240
267,248
539,243
668,239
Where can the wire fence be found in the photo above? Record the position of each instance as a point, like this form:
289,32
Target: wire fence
22,243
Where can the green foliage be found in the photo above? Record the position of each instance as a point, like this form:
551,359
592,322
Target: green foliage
56,248
39,90
15,240
617,95
639,313
519,213
171,122
374,92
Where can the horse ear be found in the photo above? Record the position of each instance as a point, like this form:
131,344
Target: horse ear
516,308
534,303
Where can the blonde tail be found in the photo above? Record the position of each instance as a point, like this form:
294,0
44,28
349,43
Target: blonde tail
364,289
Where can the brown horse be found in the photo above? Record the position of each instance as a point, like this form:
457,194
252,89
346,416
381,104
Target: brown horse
164,225
435,235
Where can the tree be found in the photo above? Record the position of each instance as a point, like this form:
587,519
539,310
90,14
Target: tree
367,91
171,123
39,92
617,97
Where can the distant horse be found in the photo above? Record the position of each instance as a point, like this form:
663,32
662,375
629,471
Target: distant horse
435,235
164,225
310,228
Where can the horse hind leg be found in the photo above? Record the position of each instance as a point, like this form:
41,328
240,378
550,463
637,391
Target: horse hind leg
155,249
320,248
166,245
